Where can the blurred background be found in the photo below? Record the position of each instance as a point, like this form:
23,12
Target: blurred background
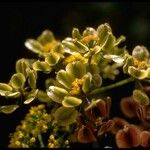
19,21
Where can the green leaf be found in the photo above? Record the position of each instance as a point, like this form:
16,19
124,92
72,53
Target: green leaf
31,96
127,62
65,116
17,80
97,80
43,97
82,48
4,88
32,77
34,46
102,31
76,69
41,66
21,66
8,109
71,46
110,42
76,34
119,40
87,82
13,94
115,58
64,78
46,37
56,94
140,97
70,101
137,73
52,59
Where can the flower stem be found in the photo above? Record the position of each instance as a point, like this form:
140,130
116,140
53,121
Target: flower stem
40,140
105,88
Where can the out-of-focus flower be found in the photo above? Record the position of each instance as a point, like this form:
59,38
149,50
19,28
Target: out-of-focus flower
138,65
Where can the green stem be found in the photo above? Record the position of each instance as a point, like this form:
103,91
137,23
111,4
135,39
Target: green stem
40,140
105,88
148,81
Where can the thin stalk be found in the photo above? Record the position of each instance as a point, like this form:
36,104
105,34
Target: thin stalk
40,140
148,81
117,84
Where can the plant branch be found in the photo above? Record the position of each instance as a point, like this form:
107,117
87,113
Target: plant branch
117,84
40,140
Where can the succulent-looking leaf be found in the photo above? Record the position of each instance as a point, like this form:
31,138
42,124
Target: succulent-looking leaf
97,80
65,116
89,31
43,97
46,37
13,94
52,59
34,46
95,58
4,88
102,31
141,53
140,97
29,100
21,66
70,46
41,66
76,34
31,96
56,94
110,42
82,48
127,62
32,78
76,69
64,78
70,101
115,58
17,80
137,73
119,40
86,82
8,109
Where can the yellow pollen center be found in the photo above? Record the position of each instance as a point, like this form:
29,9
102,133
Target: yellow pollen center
49,46
75,57
141,64
76,86
89,38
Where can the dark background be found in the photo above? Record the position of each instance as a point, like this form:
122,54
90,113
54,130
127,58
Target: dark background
19,21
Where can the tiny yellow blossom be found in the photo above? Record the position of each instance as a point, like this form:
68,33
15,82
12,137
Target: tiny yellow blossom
75,57
89,38
48,46
76,86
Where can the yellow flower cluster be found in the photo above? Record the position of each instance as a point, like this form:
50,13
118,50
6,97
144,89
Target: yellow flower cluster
55,143
75,57
76,86
35,122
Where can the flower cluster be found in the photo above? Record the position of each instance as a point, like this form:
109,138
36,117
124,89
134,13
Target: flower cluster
74,103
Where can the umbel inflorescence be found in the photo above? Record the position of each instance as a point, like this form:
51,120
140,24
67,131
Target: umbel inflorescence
73,106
